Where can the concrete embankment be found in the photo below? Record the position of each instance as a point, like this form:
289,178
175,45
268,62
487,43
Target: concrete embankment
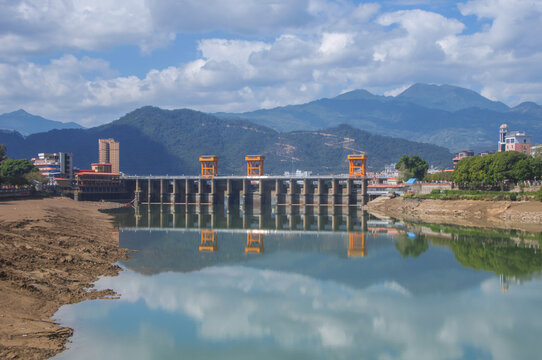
479,213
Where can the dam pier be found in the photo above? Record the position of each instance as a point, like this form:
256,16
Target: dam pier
254,191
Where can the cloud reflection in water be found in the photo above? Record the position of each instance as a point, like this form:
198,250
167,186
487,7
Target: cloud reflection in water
220,310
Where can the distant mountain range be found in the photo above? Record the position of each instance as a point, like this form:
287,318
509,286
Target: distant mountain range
446,115
315,136
156,141
26,124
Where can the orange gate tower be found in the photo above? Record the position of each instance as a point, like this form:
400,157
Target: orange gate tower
358,165
255,165
209,165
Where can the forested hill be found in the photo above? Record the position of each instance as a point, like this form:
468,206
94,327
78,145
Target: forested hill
445,115
159,141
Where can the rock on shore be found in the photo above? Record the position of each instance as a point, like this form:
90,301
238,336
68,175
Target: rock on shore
496,214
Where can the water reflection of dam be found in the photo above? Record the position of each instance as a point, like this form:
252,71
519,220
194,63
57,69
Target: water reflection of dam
337,246
213,221
357,243
188,238
291,218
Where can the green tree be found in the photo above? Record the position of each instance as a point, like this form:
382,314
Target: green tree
34,175
496,170
411,167
3,151
440,176
14,171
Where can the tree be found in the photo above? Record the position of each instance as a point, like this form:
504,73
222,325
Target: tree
2,152
440,176
13,171
496,170
33,176
411,167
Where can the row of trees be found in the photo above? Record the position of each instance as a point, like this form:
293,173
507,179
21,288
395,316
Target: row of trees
488,172
496,171
17,171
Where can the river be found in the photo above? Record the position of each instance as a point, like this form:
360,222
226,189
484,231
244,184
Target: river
298,284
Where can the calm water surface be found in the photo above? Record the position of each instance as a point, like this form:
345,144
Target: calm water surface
291,284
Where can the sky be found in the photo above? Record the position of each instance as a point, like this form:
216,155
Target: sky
92,61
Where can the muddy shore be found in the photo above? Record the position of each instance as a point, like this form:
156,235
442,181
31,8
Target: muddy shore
51,251
525,215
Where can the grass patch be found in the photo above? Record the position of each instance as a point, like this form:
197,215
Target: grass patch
476,195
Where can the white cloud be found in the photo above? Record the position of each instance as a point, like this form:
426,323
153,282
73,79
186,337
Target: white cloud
513,24
38,27
33,27
289,52
418,37
397,91
248,17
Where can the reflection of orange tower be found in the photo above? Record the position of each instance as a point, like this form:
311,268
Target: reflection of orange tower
254,243
255,165
208,241
357,246
209,165
358,165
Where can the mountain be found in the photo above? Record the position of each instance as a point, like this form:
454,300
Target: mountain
421,113
448,98
528,108
27,124
156,141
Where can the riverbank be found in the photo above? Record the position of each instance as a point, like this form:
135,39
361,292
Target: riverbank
52,250
525,215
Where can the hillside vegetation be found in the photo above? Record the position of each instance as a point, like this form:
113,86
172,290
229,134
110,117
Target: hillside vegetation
445,115
159,141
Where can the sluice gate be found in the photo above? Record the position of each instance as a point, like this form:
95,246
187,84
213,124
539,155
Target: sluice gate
254,191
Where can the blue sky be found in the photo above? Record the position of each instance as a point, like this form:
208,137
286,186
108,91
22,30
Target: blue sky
93,61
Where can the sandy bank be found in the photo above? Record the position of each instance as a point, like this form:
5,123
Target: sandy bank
51,251
495,214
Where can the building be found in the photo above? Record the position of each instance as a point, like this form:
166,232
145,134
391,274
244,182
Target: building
102,167
462,154
514,140
55,165
109,153
536,150
487,152
94,185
